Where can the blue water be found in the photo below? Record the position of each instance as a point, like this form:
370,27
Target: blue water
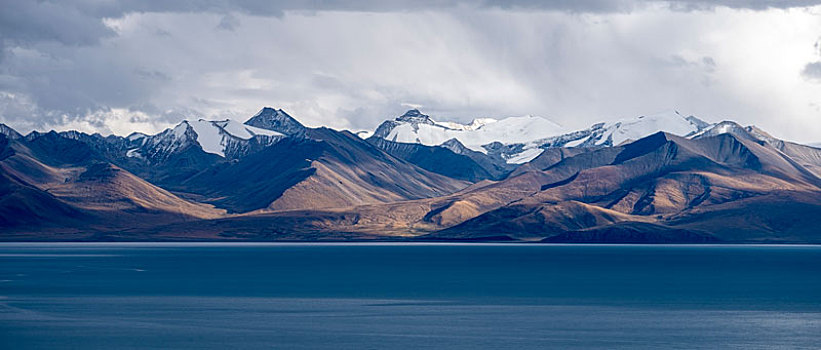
382,296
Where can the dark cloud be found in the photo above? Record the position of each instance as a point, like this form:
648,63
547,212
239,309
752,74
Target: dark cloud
23,22
812,71
709,64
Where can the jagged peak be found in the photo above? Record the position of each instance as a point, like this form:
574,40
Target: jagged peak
9,132
182,129
411,113
454,142
76,135
37,134
270,110
725,127
32,135
416,117
454,145
277,120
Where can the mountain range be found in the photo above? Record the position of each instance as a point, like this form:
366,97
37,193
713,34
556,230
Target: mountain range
659,178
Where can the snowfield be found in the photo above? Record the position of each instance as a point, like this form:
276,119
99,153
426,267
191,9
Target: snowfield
213,136
532,134
635,128
478,133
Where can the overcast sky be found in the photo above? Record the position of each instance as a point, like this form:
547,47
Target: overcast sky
117,67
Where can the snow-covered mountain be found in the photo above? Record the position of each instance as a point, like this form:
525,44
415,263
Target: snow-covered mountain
627,130
415,127
730,127
630,129
225,138
518,140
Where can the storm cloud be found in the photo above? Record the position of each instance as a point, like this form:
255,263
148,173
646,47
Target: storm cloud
114,67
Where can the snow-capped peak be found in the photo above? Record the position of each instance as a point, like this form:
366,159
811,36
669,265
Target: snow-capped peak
179,132
725,127
525,137
415,127
632,129
730,127
213,136
413,116
277,120
167,142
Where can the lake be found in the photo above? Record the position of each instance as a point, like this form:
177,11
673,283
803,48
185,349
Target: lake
398,296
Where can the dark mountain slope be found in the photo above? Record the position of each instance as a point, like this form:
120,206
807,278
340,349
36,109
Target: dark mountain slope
548,158
72,190
439,160
779,216
22,204
55,150
279,121
253,182
806,156
661,179
325,169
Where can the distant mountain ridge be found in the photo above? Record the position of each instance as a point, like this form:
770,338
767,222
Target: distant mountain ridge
479,135
502,145
530,134
657,178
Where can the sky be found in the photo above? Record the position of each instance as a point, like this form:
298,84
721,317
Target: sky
121,66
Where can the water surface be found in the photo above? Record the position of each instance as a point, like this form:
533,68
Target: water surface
360,296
